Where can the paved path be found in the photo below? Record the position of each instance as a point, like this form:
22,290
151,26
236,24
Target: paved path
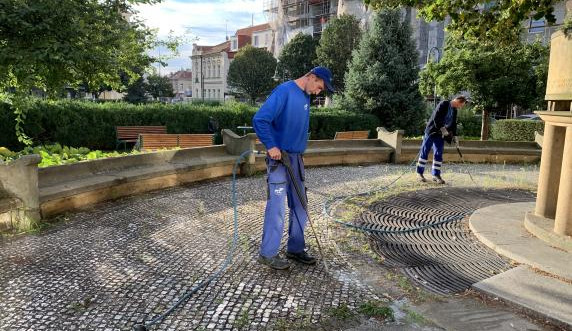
124,261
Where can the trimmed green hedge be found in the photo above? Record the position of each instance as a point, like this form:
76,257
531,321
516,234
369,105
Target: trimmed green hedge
92,125
516,130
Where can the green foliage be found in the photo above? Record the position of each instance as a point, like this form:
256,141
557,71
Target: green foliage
516,130
297,57
382,75
337,42
55,44
469,123
568,25
51,44
81,123
251,72
341,312
325,123
159,86
376,309
496,77
57,154
491,21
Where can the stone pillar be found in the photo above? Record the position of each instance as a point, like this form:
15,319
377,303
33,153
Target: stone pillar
563,219
550,166
19,179
393,140
236,145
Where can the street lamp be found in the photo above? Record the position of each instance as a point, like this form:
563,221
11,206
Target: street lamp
426,63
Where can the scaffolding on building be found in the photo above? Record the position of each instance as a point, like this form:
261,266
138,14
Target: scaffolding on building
290,17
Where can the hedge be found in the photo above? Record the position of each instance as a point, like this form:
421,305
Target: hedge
516,130
92,125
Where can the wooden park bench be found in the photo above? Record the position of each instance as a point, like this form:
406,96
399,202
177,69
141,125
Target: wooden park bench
350,135
148,141
130,134
195,140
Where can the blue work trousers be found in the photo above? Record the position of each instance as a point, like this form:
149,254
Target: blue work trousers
435,142
280,187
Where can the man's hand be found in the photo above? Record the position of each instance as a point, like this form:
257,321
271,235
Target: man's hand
444,131
274,153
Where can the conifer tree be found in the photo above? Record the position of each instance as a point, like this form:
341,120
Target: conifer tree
382,76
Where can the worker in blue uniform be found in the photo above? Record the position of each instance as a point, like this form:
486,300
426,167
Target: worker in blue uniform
282,124
441,127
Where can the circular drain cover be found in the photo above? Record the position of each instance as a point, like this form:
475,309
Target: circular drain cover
445,258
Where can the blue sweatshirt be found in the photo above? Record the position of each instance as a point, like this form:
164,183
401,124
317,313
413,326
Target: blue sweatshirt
284,119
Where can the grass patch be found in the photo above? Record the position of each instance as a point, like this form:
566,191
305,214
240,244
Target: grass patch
377,310
414,317
341,312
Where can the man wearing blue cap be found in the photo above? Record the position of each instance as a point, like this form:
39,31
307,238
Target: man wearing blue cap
282,124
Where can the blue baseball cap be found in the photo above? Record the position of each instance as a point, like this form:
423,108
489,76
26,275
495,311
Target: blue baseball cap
326,75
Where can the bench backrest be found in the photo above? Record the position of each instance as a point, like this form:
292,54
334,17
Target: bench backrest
151,141
349,135
132,132
195,140
157,141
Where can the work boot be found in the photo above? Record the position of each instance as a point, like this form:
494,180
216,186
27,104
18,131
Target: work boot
301,257
421,178
275,262
437,179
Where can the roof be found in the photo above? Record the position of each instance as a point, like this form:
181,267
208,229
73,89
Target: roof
181,74
251,29
222,47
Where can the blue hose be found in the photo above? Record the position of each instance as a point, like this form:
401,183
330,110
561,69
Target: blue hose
228,260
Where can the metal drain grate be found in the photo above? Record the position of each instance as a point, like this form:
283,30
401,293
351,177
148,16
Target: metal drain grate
446,258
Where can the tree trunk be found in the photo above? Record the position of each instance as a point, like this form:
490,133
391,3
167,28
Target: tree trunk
485,126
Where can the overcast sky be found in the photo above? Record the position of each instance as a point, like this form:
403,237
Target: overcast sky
206,20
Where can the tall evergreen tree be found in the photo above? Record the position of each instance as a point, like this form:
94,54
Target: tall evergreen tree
383,72
334,51
297,57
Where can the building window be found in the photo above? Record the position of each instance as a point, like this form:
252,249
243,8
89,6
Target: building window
196,93
218,70
234,44
218,94
256,41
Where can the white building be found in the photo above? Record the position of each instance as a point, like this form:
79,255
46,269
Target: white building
182,84
211,63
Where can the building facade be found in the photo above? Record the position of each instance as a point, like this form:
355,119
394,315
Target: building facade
210,63
182,81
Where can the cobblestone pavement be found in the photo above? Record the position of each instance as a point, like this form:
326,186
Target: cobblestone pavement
122,262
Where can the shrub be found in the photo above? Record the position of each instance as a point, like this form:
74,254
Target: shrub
92,125
516,130
469,124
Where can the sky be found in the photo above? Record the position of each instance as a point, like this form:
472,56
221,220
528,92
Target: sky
208,21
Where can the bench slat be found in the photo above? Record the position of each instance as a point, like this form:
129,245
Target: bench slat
132,132
158,141
350,135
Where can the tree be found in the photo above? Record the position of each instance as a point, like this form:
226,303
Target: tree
497,78
479,19
52,44
251,72
159,86
382,75
136,88
334,51
297,57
